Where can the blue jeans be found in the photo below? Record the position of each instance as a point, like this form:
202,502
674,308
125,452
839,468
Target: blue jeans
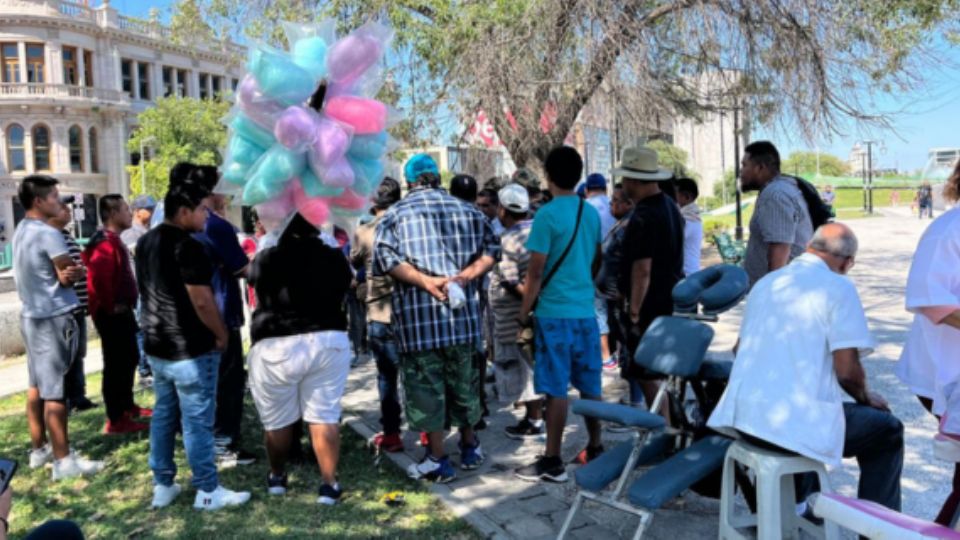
191,386
383,345
143,366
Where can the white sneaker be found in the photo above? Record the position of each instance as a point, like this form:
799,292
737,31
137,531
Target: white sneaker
220,497
164,495
73,465
41,456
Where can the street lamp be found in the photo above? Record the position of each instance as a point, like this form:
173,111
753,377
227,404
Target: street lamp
868,177
144,143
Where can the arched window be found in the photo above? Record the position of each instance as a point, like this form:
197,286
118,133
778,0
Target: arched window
76,148
94,151
41,148
16,153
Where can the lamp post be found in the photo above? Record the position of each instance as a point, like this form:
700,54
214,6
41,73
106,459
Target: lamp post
736,171
144,142
868,177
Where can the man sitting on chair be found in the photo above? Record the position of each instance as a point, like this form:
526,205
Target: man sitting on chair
801,340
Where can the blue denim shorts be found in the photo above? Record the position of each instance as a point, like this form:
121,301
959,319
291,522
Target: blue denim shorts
567,351
600,308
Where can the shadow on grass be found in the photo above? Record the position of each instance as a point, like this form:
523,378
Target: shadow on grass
115,504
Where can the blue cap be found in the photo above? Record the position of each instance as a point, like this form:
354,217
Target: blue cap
417,165
144,202
596,181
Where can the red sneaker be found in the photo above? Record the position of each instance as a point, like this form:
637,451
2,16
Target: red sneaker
587,455
388,443
125,425
139,412
424,439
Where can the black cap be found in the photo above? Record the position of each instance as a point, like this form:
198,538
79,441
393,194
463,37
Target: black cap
67,199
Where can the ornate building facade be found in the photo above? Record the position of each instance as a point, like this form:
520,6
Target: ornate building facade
73,79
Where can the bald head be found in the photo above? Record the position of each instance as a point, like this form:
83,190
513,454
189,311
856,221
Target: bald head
836,244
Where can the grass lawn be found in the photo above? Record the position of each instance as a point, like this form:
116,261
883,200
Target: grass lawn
116,503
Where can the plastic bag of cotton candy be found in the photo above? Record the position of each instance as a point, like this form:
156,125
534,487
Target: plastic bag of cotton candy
305,133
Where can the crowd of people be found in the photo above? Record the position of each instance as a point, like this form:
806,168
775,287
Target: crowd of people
550,287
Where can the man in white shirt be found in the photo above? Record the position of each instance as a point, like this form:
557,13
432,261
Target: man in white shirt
802,336
596,196
687,193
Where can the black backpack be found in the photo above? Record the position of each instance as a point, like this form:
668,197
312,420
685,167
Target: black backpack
820,212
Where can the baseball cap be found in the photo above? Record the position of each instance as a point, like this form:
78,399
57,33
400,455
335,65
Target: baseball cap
144,202
596,181
417,165
514,198
526,178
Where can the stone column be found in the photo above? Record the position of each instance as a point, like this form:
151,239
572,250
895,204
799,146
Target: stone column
22,54
81,67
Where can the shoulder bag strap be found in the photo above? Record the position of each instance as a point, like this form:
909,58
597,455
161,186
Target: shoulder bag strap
563,256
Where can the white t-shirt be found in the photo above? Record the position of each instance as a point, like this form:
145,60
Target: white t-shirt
602,204
692,241
929,362
783,387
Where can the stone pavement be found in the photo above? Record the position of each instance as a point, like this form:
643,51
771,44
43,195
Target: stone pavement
502,506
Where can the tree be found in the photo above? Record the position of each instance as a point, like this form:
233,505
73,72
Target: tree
176,129
533,65
805,163
672,158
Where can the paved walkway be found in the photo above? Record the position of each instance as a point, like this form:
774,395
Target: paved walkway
502,506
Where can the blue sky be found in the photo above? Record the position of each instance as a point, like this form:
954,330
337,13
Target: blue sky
921,120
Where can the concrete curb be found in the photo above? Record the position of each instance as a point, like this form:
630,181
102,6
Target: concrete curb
484,525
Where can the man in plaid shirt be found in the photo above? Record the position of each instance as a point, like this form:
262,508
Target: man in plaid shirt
436,247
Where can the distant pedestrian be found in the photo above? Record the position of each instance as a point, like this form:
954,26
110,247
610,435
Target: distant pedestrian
512,360
529,180
895,198
564,247
828,196
143,207
219,239
436,248
596,196
609,299
489,204
380,330
780,227
45,275
687,194
184,336
300,356
76,378
925,199
113,301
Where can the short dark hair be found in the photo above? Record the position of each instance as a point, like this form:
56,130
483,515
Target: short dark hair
564,167
669,188
764,153
388,193
688,186
180,173
108,205
33,187
184,195
464,187
491,194
206,176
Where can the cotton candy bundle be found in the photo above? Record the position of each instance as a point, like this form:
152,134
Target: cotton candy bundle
305,134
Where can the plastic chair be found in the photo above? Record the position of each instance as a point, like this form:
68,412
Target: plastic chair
876,521
776,515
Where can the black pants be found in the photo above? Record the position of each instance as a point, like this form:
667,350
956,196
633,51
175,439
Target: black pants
875,439
230,387
76,378
118,336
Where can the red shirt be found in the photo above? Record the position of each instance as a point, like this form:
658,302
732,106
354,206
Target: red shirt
110,279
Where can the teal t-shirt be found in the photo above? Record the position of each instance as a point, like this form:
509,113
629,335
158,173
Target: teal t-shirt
569,295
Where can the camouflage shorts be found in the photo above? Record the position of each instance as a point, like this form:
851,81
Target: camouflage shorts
438,383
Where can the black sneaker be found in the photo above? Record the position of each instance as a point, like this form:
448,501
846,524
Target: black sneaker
82,404
548,468
524,430
587,455
329,495
277,485
228,458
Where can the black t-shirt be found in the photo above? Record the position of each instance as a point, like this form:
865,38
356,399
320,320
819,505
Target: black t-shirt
301,284
655,232
168,259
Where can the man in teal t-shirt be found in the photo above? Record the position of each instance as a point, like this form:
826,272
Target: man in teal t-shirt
566,337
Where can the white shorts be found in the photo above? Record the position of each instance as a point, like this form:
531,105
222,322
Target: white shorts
300,376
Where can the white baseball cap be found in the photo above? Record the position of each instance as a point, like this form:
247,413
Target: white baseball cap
514,198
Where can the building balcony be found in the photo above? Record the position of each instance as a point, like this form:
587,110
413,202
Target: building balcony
61,94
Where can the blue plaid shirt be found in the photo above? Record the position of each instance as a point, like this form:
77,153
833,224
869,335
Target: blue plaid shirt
438,235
